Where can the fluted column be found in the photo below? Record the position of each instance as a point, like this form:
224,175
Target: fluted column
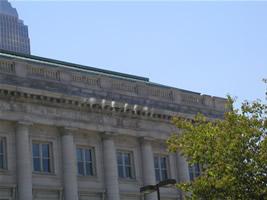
183,171
110,168
149,177
69,165
24,164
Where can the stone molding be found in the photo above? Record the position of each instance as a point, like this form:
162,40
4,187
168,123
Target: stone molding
22,94
99,82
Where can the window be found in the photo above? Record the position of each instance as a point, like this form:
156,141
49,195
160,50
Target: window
85,161
161,167
41,156
194,171
3,162
125,164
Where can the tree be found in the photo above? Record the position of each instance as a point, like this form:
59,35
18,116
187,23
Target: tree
231,152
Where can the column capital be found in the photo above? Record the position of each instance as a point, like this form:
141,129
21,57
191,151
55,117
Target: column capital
144,140
108,135
24,123
66,130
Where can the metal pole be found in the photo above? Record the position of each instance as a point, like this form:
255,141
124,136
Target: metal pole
158,193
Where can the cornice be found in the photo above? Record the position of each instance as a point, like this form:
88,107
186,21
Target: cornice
62,86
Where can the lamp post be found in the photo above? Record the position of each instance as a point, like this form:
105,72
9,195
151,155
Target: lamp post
152,188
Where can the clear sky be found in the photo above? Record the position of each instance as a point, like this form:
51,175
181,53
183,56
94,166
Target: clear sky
214,48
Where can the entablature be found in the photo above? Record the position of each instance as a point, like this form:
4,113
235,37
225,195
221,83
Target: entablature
97,90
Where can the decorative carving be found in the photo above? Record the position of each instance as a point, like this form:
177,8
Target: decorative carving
191,99
117,89
159,92
127,86
7,67
45,73
89,80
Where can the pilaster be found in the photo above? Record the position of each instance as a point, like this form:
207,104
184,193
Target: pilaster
149,177
183,171
24,163
110,167
69,164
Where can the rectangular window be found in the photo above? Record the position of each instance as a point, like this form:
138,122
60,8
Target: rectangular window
42,157
194,171
3,160
85,161
125,164
161,167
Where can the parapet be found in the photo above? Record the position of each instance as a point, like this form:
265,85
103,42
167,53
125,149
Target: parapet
68,79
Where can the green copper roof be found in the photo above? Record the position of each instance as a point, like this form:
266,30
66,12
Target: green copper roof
71,65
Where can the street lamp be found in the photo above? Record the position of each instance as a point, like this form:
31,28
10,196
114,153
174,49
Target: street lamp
152,188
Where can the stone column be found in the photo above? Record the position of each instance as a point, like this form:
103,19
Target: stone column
183,171
110,168
24,164
69,165
149,177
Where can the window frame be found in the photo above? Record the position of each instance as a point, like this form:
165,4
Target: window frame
124,166
93,162
41,158
159,157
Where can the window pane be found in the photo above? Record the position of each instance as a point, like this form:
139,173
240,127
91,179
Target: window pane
88,156
164,175
127,159
191,175
45,150
197,170
89,169
163,162
119,158
120,171
2,162
35,150
80,168
157,175
36,164
128,172
1,146
156,162
79,154
46,165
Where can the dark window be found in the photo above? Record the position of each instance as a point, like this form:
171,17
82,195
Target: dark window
161,167
85,161
194,171
3,162
125,164
41,155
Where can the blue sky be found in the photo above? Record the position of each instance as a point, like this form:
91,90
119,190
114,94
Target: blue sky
214,48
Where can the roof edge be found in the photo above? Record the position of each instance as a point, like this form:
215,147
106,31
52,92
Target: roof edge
77,66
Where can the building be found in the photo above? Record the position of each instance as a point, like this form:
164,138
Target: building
13,33
74,132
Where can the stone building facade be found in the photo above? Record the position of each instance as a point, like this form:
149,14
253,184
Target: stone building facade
74,132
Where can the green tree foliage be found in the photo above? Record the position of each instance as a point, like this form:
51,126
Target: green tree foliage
232,153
